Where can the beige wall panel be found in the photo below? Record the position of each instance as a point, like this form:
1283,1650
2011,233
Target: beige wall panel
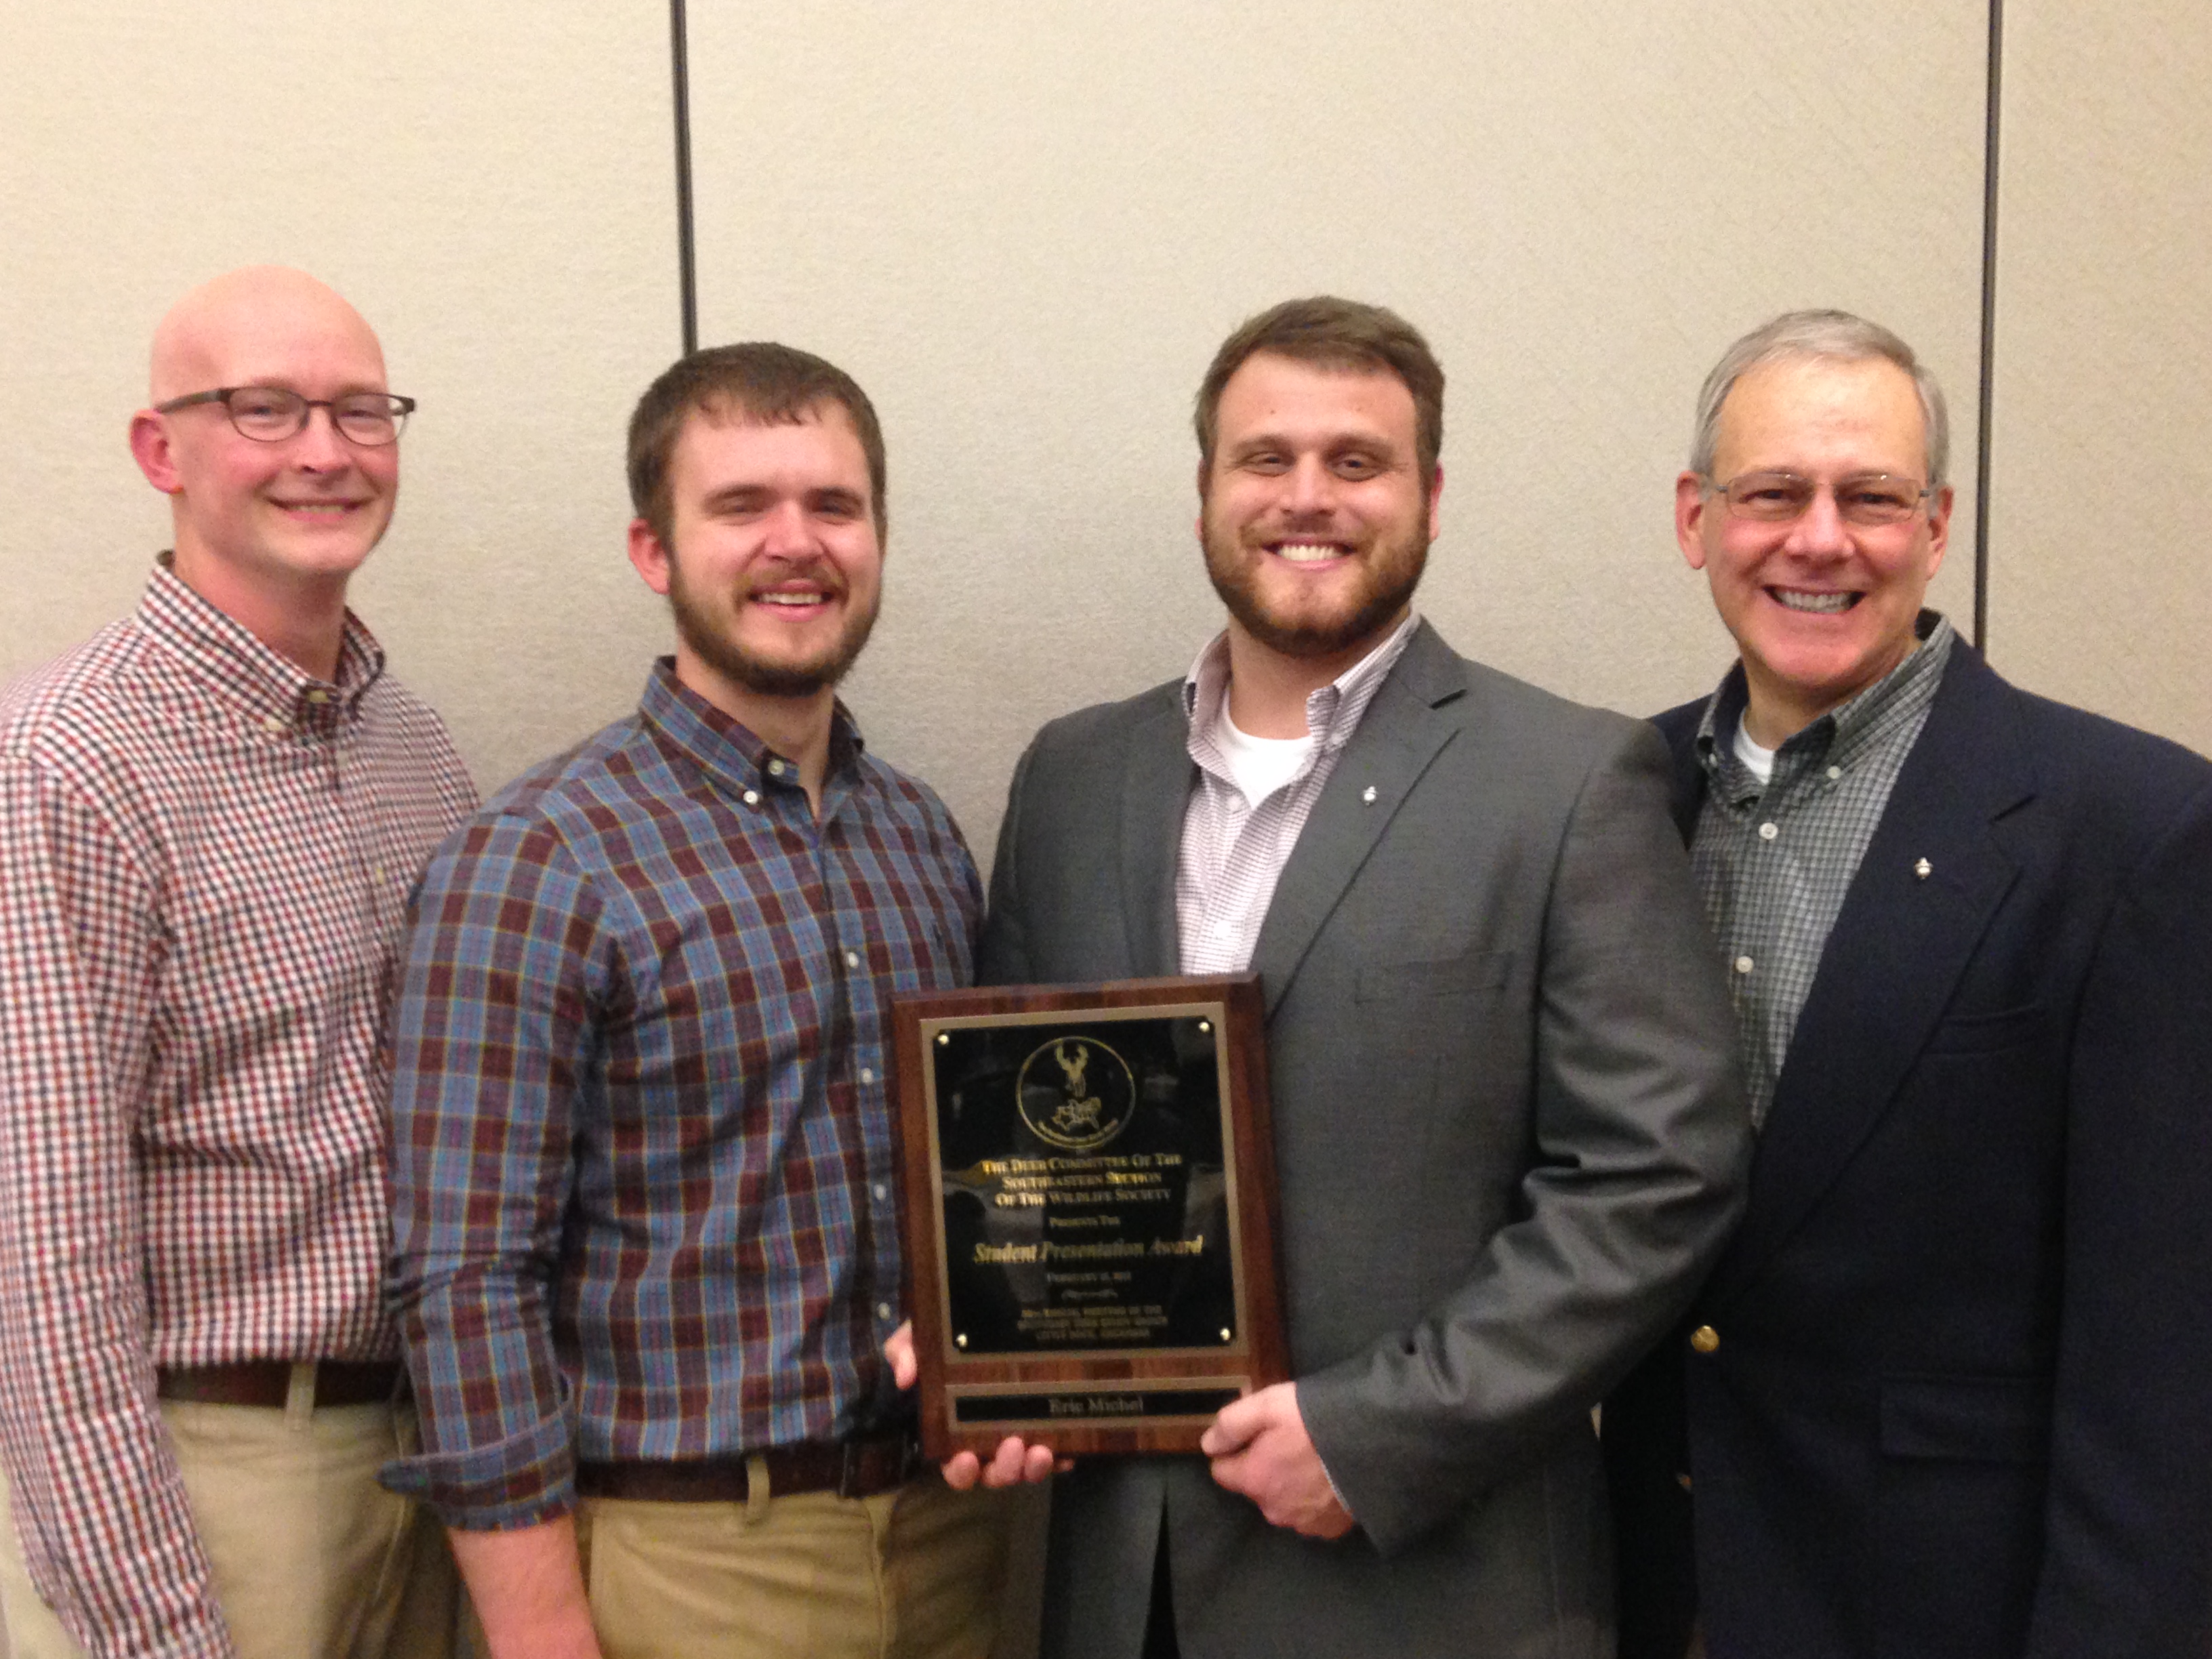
1025,228
2101,445
494,191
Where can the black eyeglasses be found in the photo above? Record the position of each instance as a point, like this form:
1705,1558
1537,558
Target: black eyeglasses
269,414
1871,498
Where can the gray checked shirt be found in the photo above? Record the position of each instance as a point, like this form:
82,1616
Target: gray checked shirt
1774,860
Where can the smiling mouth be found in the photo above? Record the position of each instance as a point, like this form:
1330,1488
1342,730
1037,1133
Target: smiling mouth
1817,604
319,509
792,598
1309,552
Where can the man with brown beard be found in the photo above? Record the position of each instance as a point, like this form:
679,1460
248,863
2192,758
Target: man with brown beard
1509,1131
647,1246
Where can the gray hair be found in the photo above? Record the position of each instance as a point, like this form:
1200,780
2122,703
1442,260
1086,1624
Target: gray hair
1831,334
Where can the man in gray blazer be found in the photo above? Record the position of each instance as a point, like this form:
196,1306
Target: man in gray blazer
1509,1128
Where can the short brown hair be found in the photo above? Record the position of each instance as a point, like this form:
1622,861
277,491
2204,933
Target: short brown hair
1339,334
757,381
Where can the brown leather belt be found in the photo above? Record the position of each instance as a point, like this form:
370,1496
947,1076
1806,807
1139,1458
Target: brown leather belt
269,1382
856,1469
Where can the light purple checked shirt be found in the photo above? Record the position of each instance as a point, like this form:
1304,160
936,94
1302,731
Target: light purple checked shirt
1233,852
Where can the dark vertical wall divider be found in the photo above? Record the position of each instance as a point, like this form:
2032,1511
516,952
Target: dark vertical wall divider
1994,108
687,278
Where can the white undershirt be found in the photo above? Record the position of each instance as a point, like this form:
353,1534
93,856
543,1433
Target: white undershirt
1759,762
1258,766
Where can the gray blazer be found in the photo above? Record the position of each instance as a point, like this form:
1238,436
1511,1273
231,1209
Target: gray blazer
1509,1134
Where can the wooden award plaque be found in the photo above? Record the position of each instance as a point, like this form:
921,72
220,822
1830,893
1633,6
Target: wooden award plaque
1087,1177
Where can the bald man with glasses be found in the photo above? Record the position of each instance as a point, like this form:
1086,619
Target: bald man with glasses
1948,1392
210,815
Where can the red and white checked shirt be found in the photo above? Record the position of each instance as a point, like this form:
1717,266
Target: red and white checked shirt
1233,852
206,855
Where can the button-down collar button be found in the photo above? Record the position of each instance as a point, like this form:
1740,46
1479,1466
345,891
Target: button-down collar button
316,695
1705,1339
1767,832
1835,772
1743,964
752,797
852,959
276,725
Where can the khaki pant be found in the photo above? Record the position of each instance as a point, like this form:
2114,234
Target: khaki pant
310,1556
912,1574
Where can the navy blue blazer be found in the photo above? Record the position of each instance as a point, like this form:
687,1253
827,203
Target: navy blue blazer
1961,1403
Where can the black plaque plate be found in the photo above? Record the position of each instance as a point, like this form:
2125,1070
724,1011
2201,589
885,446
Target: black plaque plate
1088,1210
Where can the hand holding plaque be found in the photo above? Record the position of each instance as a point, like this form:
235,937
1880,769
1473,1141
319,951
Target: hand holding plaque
1088,1182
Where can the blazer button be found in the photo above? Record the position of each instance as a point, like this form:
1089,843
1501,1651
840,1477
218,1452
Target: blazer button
1705,1339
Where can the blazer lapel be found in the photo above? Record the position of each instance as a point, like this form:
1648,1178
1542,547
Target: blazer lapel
1398,735
1685,792
1157,773
1899,946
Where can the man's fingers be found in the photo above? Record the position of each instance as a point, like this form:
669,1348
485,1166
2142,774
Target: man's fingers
1007,1464
898,1348
1233,1473
1233,1428
960,1470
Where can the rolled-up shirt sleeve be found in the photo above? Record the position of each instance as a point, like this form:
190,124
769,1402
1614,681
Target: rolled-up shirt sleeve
495,1034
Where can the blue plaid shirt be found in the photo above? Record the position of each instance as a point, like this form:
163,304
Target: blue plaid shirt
642,1152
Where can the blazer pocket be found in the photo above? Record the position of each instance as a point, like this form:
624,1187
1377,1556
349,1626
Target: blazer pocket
1980,1420
1981,1034
1394,982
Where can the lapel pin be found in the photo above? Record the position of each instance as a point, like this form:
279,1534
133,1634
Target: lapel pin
1368,795
1923,869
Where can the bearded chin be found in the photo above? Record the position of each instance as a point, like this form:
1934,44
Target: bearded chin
1392,578
696,628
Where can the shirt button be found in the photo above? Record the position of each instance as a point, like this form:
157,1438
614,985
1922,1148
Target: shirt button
880,1190
1767,832
882,1310
775,768
852,959
752,797
1743,964
867,1075
1835,772
276,725
1705,1339
319,696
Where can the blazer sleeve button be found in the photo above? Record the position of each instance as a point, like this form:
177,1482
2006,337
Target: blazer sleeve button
1705,1339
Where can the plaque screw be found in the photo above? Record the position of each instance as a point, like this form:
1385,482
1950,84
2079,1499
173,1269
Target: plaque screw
961,1340
1923,869
1225,1333
942,1038
1368,795
1206,1026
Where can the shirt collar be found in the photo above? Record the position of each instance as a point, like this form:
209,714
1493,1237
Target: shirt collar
229,656
1205,688
726,750
1844,732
